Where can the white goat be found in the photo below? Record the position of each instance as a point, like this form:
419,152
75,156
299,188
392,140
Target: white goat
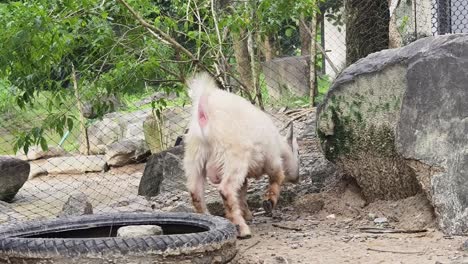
230,140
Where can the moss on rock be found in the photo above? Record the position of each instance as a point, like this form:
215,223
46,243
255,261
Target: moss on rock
356,130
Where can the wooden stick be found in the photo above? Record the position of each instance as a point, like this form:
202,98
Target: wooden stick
396,252
83,128
287,227
251,246
375,230
296,117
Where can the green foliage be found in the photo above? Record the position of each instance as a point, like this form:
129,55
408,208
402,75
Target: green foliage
113,55
41,41
7,93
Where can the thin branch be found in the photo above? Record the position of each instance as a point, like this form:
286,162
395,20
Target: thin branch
287,227
375,230
395,251
251,246
161,81
110,51
242,86
332,65
302,113
171,72
196,11
79,103
164,36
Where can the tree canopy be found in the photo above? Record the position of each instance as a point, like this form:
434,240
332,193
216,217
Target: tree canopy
42,41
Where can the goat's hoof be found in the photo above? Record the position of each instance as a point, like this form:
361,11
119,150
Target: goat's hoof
243,234
268,207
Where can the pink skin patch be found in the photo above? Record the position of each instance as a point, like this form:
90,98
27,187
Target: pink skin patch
212,173
202,118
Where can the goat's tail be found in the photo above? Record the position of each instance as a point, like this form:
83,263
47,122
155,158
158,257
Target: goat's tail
199,84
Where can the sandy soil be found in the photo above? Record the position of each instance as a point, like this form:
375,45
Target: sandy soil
316,228
325,228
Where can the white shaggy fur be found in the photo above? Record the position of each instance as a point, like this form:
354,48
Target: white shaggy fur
229,139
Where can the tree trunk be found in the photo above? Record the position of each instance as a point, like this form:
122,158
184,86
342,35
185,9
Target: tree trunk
241,53
395,40
268,50
84,130
312,59
367,28
305,37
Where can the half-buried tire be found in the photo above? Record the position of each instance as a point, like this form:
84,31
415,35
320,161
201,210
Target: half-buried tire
91,239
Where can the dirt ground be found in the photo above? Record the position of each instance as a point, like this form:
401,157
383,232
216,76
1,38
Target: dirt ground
321,227
326,228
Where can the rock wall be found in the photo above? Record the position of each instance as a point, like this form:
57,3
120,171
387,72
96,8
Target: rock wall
397,122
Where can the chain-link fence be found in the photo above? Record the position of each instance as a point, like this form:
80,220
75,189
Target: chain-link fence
105,92
449,17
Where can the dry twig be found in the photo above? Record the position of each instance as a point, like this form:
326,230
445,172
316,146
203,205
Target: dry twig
297,115
287,227
395,251
251,246
375,230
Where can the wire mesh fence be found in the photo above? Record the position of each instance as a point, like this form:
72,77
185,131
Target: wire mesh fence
94,92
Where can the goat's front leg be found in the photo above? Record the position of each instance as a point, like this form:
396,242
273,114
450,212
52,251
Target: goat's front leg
229,188
273,192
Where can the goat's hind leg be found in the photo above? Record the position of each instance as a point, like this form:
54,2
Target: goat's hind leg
229,189
196,187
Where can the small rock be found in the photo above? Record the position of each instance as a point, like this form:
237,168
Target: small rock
280,260
36,171
139,231
332,216
464,246
371,216
13,174
126,151
380,220
77,204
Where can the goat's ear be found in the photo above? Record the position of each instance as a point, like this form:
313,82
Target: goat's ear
290,135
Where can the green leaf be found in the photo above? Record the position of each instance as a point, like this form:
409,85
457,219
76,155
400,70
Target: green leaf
70,124
44,145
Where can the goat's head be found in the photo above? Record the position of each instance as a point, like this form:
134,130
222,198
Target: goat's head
291,161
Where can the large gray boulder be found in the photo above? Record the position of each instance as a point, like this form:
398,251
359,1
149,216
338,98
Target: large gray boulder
162,134
287,76
126,152
115,127
396,122
118,127
163,172
76,164
102,134
13,174
36,152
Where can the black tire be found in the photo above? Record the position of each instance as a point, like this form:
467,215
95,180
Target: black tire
215,244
